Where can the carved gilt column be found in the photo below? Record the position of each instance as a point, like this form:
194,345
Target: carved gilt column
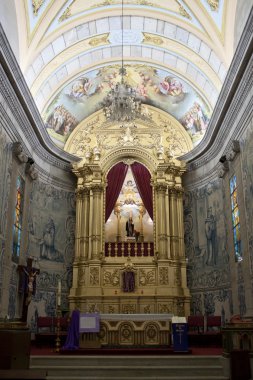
85,214
89,232
173,222
160,190
96,230
117,213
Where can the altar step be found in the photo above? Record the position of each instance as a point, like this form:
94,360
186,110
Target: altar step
130,367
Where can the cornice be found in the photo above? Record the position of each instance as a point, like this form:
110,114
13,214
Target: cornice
237,84
18,97
58,182
27,131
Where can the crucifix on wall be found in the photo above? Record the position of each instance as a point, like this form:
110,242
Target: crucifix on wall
27,285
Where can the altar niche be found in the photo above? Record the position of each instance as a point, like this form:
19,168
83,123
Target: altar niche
129,219
107,196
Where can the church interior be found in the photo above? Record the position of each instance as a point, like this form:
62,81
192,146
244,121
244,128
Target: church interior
126,165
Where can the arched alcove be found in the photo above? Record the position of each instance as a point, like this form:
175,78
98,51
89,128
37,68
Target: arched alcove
129,195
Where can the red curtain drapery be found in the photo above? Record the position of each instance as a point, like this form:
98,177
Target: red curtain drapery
115,180
142,179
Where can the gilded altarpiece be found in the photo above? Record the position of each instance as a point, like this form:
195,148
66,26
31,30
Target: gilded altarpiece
158,271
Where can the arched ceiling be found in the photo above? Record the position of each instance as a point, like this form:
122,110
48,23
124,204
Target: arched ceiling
176,54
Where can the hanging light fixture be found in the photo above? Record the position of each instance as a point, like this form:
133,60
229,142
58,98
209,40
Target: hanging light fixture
122,102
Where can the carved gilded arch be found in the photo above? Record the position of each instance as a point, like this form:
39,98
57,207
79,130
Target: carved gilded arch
153,138
128,155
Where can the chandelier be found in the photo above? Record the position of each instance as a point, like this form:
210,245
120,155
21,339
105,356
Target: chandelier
122,103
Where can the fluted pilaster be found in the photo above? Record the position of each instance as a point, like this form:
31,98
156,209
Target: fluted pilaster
173,222
96,227
160,220
180,220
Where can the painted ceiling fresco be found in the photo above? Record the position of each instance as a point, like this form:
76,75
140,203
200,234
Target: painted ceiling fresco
155,87
176,53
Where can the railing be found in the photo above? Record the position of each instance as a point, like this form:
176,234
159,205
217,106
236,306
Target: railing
132,249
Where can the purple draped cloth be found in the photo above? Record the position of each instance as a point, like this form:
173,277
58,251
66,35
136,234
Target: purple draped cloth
72,341
128,281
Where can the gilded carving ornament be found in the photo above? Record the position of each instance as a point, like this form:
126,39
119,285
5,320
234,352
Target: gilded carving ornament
146,277
149,38
183,11
163,309
67,13
111,278
97,188
214,4
147,309
36,6
94,276
81,276
163,276
99,40
161,188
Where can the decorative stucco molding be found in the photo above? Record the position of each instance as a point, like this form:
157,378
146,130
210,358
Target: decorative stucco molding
223,169
234,149
19,153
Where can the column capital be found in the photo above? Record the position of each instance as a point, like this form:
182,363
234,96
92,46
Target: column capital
97,188
160,187
82,192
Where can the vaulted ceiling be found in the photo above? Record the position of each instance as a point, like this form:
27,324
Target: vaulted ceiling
176,54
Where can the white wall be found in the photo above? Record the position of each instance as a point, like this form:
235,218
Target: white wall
8,20
242,12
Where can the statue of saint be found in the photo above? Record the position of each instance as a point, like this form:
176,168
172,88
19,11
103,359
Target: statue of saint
130,227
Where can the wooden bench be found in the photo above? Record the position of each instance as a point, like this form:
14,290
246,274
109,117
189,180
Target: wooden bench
204,330
47,330
195,329
213,330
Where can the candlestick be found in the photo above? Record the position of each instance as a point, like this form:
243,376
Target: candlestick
59,286
59,293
